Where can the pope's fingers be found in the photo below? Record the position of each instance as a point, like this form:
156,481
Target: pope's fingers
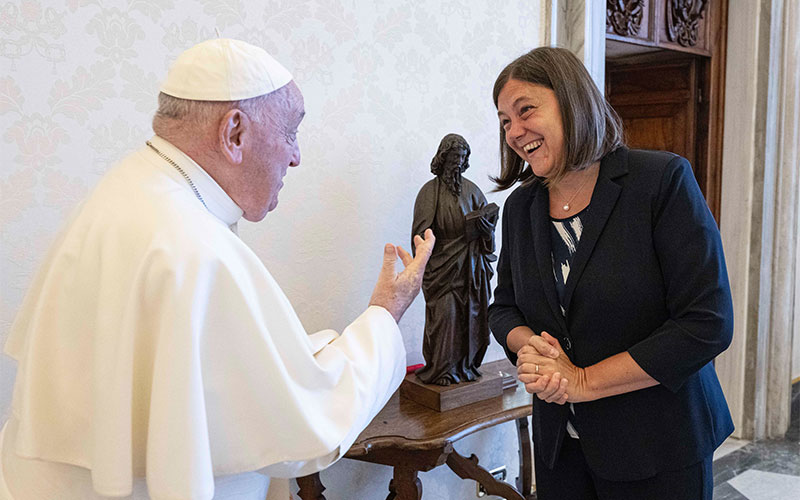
425,243
389,258
404,256
423,254
418,244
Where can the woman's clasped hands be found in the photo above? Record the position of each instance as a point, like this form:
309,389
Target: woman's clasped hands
547,371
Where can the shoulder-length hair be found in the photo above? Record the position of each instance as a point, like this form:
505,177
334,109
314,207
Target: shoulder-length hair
592,128
450,141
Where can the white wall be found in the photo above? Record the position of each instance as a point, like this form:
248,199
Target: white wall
383,82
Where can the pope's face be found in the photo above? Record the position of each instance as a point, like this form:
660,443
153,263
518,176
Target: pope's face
275,148
531,118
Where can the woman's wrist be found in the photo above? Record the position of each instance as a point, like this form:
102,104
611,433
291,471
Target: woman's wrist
615,375
579,390
518,337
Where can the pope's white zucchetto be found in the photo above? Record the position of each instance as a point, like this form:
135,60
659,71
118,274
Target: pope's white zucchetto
224,69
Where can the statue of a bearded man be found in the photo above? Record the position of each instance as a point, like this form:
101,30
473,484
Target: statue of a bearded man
456,280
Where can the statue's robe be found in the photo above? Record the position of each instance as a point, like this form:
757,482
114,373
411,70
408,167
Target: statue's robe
456,282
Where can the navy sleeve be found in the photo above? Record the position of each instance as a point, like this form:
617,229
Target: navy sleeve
689,250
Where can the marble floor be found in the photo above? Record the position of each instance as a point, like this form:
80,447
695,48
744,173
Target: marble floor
761,470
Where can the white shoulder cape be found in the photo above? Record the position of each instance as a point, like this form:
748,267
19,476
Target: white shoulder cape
154,342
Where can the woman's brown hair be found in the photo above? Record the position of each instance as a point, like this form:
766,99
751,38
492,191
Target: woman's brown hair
592,128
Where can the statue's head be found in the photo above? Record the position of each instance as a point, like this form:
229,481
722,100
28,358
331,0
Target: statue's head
452,158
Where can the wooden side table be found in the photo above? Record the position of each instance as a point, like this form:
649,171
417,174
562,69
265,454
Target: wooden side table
412,438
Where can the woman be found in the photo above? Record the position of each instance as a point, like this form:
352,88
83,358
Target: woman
612,294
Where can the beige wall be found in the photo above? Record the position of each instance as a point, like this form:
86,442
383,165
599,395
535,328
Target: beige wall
759,221
383,82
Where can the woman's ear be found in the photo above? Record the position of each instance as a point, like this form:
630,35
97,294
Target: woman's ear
231,135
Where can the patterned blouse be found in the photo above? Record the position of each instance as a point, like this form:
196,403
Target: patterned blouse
565,234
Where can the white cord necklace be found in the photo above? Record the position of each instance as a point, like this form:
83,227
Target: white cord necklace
179,169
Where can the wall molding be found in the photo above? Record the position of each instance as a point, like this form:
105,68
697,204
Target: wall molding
760,155
580,27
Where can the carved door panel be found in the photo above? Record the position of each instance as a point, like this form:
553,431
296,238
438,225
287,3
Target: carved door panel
680,25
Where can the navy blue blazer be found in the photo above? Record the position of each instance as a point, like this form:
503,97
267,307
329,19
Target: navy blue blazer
649,278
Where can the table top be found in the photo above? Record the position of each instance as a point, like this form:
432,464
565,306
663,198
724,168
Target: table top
406,425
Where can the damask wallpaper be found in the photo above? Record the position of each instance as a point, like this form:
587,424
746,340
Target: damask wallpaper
383,82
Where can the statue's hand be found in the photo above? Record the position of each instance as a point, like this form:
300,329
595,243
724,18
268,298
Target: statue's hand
486,228
395,291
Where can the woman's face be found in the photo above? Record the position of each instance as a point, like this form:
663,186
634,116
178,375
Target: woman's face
531,118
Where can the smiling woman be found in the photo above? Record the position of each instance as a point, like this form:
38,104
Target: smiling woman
612,294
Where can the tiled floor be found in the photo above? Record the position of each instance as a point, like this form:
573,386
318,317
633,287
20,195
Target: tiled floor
763,470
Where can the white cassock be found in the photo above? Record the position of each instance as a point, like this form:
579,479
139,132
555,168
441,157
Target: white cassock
156,353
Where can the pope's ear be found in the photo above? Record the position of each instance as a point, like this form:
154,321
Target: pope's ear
231,134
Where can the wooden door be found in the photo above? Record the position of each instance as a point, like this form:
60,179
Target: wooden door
667,88
658,105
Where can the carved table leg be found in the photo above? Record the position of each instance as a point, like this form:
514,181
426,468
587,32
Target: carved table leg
311,487
405,485
525,464
468,468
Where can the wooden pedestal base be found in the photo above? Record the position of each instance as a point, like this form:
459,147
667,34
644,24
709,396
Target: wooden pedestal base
443,398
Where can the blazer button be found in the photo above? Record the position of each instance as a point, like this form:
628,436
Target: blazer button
567,344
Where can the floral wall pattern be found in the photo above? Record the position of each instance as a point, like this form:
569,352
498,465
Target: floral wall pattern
383,82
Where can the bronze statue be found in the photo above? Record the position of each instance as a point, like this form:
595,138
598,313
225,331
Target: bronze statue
456,280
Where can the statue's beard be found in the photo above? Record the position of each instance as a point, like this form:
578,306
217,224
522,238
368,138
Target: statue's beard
452,180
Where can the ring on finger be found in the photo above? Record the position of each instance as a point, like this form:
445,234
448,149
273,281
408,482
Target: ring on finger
537,369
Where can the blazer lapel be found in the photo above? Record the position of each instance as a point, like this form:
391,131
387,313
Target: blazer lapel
540,225
605,195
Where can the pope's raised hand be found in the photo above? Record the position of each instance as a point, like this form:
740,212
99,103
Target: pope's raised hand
395,291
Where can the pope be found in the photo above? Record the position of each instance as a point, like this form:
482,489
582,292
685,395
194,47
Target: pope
157,356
